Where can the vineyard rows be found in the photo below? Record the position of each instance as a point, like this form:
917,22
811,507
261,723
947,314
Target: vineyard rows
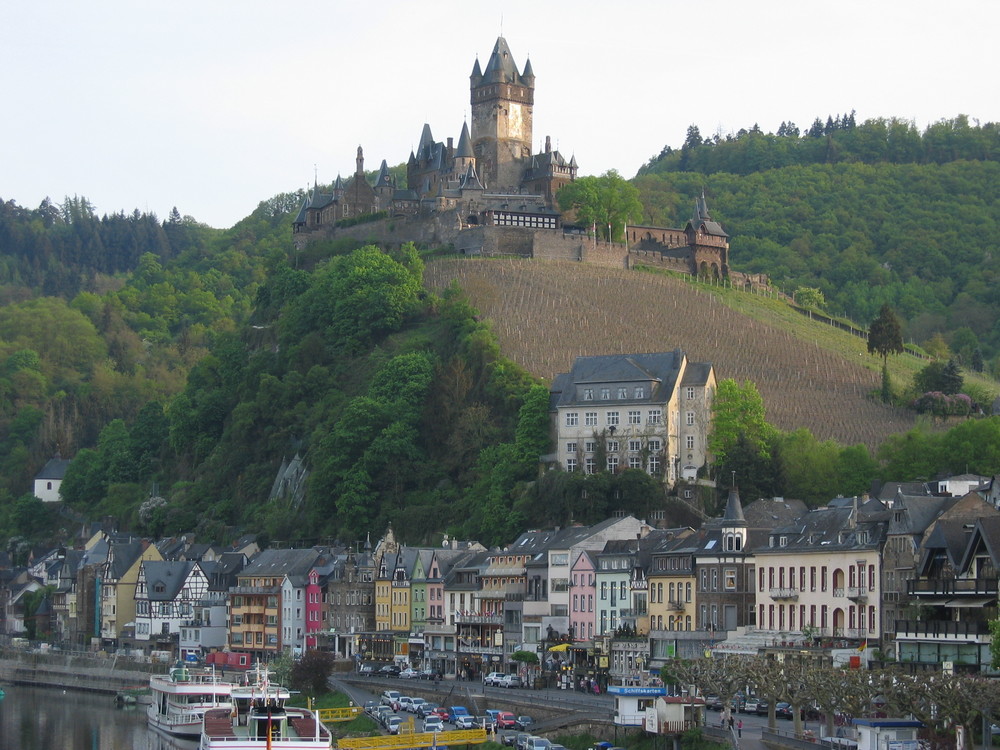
545,313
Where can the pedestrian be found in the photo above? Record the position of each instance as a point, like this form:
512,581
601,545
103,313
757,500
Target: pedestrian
739,728
731,722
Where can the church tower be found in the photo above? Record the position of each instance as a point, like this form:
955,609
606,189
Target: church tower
502,101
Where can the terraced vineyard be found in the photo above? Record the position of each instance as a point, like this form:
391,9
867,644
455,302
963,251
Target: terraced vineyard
546,313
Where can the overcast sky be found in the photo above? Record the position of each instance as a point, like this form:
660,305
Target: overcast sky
213,107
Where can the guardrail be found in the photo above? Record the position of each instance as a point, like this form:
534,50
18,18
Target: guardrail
417,739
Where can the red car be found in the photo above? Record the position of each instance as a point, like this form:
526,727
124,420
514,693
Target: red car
505,720
440,712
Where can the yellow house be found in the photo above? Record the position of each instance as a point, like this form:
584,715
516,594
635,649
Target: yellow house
119,576
672,599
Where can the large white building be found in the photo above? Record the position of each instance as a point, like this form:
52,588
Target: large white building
634,411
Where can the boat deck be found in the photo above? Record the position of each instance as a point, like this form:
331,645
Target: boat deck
219,724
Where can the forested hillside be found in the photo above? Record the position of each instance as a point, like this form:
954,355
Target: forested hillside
182,366
868,213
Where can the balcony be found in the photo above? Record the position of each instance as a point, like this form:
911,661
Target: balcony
857,593
468,618
676,605
943,630
971,587
787,594
481,650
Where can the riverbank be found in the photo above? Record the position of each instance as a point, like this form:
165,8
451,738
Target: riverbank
76,671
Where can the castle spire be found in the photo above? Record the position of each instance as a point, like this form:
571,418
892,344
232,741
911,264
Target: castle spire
465,144
360,171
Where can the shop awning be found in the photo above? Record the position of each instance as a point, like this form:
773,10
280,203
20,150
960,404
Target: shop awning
559,647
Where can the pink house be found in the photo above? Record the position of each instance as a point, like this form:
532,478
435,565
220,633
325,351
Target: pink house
582,590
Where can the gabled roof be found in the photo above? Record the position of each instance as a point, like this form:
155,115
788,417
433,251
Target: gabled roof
911,515
168,574
985,536
464,150
55,468
275,563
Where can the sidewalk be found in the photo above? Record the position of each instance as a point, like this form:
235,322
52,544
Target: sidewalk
749,741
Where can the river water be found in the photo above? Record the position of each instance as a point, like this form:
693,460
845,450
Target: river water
45,719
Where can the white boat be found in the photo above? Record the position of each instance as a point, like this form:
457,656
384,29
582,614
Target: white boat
181,697
260,720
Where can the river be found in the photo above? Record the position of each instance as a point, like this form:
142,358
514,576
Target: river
43,719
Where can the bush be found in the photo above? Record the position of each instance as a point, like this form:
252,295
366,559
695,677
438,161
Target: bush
942,405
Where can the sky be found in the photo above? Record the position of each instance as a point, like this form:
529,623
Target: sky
214,106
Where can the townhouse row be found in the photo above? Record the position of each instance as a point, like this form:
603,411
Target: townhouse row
909,576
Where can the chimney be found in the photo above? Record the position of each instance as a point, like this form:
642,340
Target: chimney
548,144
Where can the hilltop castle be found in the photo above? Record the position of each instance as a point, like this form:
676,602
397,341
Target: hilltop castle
489,194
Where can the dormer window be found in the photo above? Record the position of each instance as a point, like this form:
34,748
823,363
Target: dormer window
783,541
605,394
640,392
588,394
623,393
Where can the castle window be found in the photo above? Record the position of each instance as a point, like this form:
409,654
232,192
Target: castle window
613,446
689,441
590,419
690,392
690,418
589,446
570,465
635,417
640,392
655,416
655,446
572,419
605,394
623,393
588,394
571,447
613,419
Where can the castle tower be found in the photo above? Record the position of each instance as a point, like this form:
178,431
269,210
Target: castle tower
502,101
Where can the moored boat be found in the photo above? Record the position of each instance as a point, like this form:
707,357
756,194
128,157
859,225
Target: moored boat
260,719
181,697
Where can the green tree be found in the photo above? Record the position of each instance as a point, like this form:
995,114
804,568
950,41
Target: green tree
738,410
810,297
885,336
609,202
312,671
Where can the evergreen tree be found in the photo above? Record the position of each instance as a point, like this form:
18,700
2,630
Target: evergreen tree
951,378
885,336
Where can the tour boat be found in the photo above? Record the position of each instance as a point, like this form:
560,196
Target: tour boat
260,720
181,697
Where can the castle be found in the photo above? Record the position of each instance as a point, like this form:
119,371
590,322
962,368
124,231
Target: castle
489,194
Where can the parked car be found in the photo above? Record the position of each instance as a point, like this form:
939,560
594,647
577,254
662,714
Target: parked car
415,704
370,706
762,708
392,724
523,722
454,712
390,697
508,737
427,709
713,703
486,722
493,678
783,710
464,721
509,681
750,706
405,703
428,674
433,724
409,673
537,743
506,720
521,741
442,712
389,670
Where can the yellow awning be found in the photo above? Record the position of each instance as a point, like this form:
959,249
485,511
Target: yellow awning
559,647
